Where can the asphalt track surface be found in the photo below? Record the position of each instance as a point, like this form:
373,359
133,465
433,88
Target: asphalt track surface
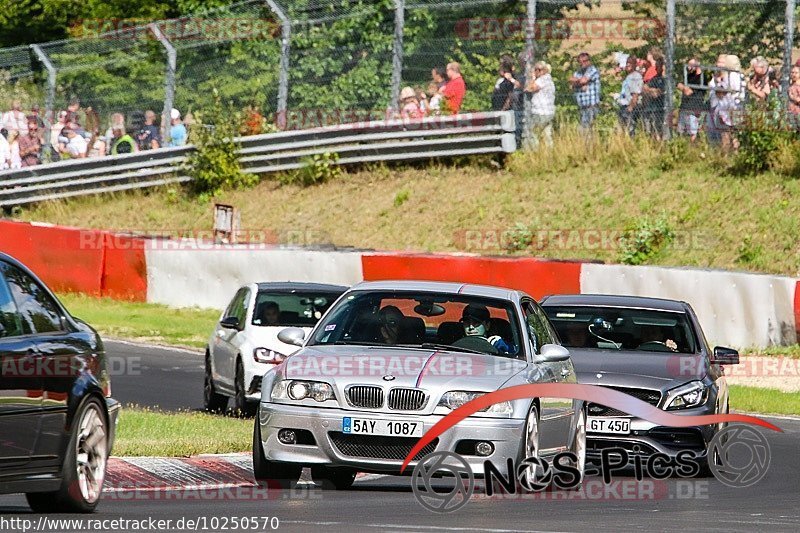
173,380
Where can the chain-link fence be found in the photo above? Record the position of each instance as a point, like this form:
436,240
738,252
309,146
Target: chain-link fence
303,63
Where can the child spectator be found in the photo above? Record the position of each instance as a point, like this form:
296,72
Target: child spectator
409,106
434,100
15,161
117,119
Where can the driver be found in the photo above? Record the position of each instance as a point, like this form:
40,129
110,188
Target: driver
389,318
651,333
476,321
576,335
270,314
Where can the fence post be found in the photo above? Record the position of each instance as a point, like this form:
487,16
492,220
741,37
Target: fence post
283,75
169,79
669,70
50,97
397,52
788,44
530,44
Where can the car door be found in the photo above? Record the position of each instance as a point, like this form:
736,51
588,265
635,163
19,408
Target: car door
20,387
61,354
228,340
556,415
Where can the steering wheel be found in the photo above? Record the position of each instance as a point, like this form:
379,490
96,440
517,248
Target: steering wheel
479,344
654,346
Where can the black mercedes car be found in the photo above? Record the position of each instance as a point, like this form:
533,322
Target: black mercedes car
652,349
57,417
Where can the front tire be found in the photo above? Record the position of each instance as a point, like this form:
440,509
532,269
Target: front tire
270,474
530,447
240,404
84,468
579,446
213,402
332,477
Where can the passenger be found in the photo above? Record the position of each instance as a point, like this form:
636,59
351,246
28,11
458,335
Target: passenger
576,336
476,321
270,314
390,318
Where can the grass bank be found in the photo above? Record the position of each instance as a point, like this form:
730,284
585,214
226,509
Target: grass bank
143,322
549,204
765,401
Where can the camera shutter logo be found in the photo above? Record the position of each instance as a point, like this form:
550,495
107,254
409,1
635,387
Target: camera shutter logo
443,501
739,456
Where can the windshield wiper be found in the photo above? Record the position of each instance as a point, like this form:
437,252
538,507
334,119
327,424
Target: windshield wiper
449,347
358,343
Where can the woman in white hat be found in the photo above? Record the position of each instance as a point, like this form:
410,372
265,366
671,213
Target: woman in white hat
177,131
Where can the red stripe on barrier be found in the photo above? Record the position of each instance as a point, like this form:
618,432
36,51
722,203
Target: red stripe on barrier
537,277
66,259
124,268
797,310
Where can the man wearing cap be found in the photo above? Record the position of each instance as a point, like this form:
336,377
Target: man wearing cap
476,320
177,131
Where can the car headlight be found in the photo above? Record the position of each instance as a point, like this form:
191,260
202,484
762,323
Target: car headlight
293,389
265,355
689,395
455,399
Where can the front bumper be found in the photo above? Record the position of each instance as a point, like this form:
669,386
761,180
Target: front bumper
646,438
332,447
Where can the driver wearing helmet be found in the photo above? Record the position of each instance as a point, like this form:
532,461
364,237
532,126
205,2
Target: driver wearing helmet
476,321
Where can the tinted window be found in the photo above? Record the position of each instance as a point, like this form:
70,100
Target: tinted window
539,331
10,321
38,311
291,308
617,328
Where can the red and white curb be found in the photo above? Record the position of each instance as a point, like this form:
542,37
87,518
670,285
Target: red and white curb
198,473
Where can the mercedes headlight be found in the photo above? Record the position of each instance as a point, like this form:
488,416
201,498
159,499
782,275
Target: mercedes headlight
689,395
455,399
294,389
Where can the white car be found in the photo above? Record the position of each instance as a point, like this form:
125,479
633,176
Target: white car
244,344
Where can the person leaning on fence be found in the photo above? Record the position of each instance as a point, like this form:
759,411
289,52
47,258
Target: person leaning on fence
543,106
692,100
653,101
629,97
585,84
758,86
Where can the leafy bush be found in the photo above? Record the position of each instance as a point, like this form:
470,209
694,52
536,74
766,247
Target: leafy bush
645,241
214,164
760,136
316,169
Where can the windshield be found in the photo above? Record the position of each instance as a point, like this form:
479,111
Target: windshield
615,328
299,309
448,321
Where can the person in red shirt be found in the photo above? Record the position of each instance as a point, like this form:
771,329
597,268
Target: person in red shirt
455,89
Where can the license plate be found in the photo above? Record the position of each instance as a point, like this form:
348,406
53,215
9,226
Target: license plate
617,426
386,428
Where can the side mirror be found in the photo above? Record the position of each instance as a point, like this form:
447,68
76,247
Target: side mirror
294,336
552,353
725,356
230,322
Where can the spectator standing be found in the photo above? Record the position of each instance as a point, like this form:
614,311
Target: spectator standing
177,131
585,84
74,111
629,97
121,143
36,115
30,146
543,106
5,150
653,101
56,128
439,77
503,94
758,86
692,100
97,146
652,56
434,99
117,120
794,98
13,145
15,119
409,105
76,145
149,137
455,89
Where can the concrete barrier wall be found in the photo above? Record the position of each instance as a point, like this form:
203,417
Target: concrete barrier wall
209,278
735,308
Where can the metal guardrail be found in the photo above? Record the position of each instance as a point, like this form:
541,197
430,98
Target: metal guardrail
394,140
